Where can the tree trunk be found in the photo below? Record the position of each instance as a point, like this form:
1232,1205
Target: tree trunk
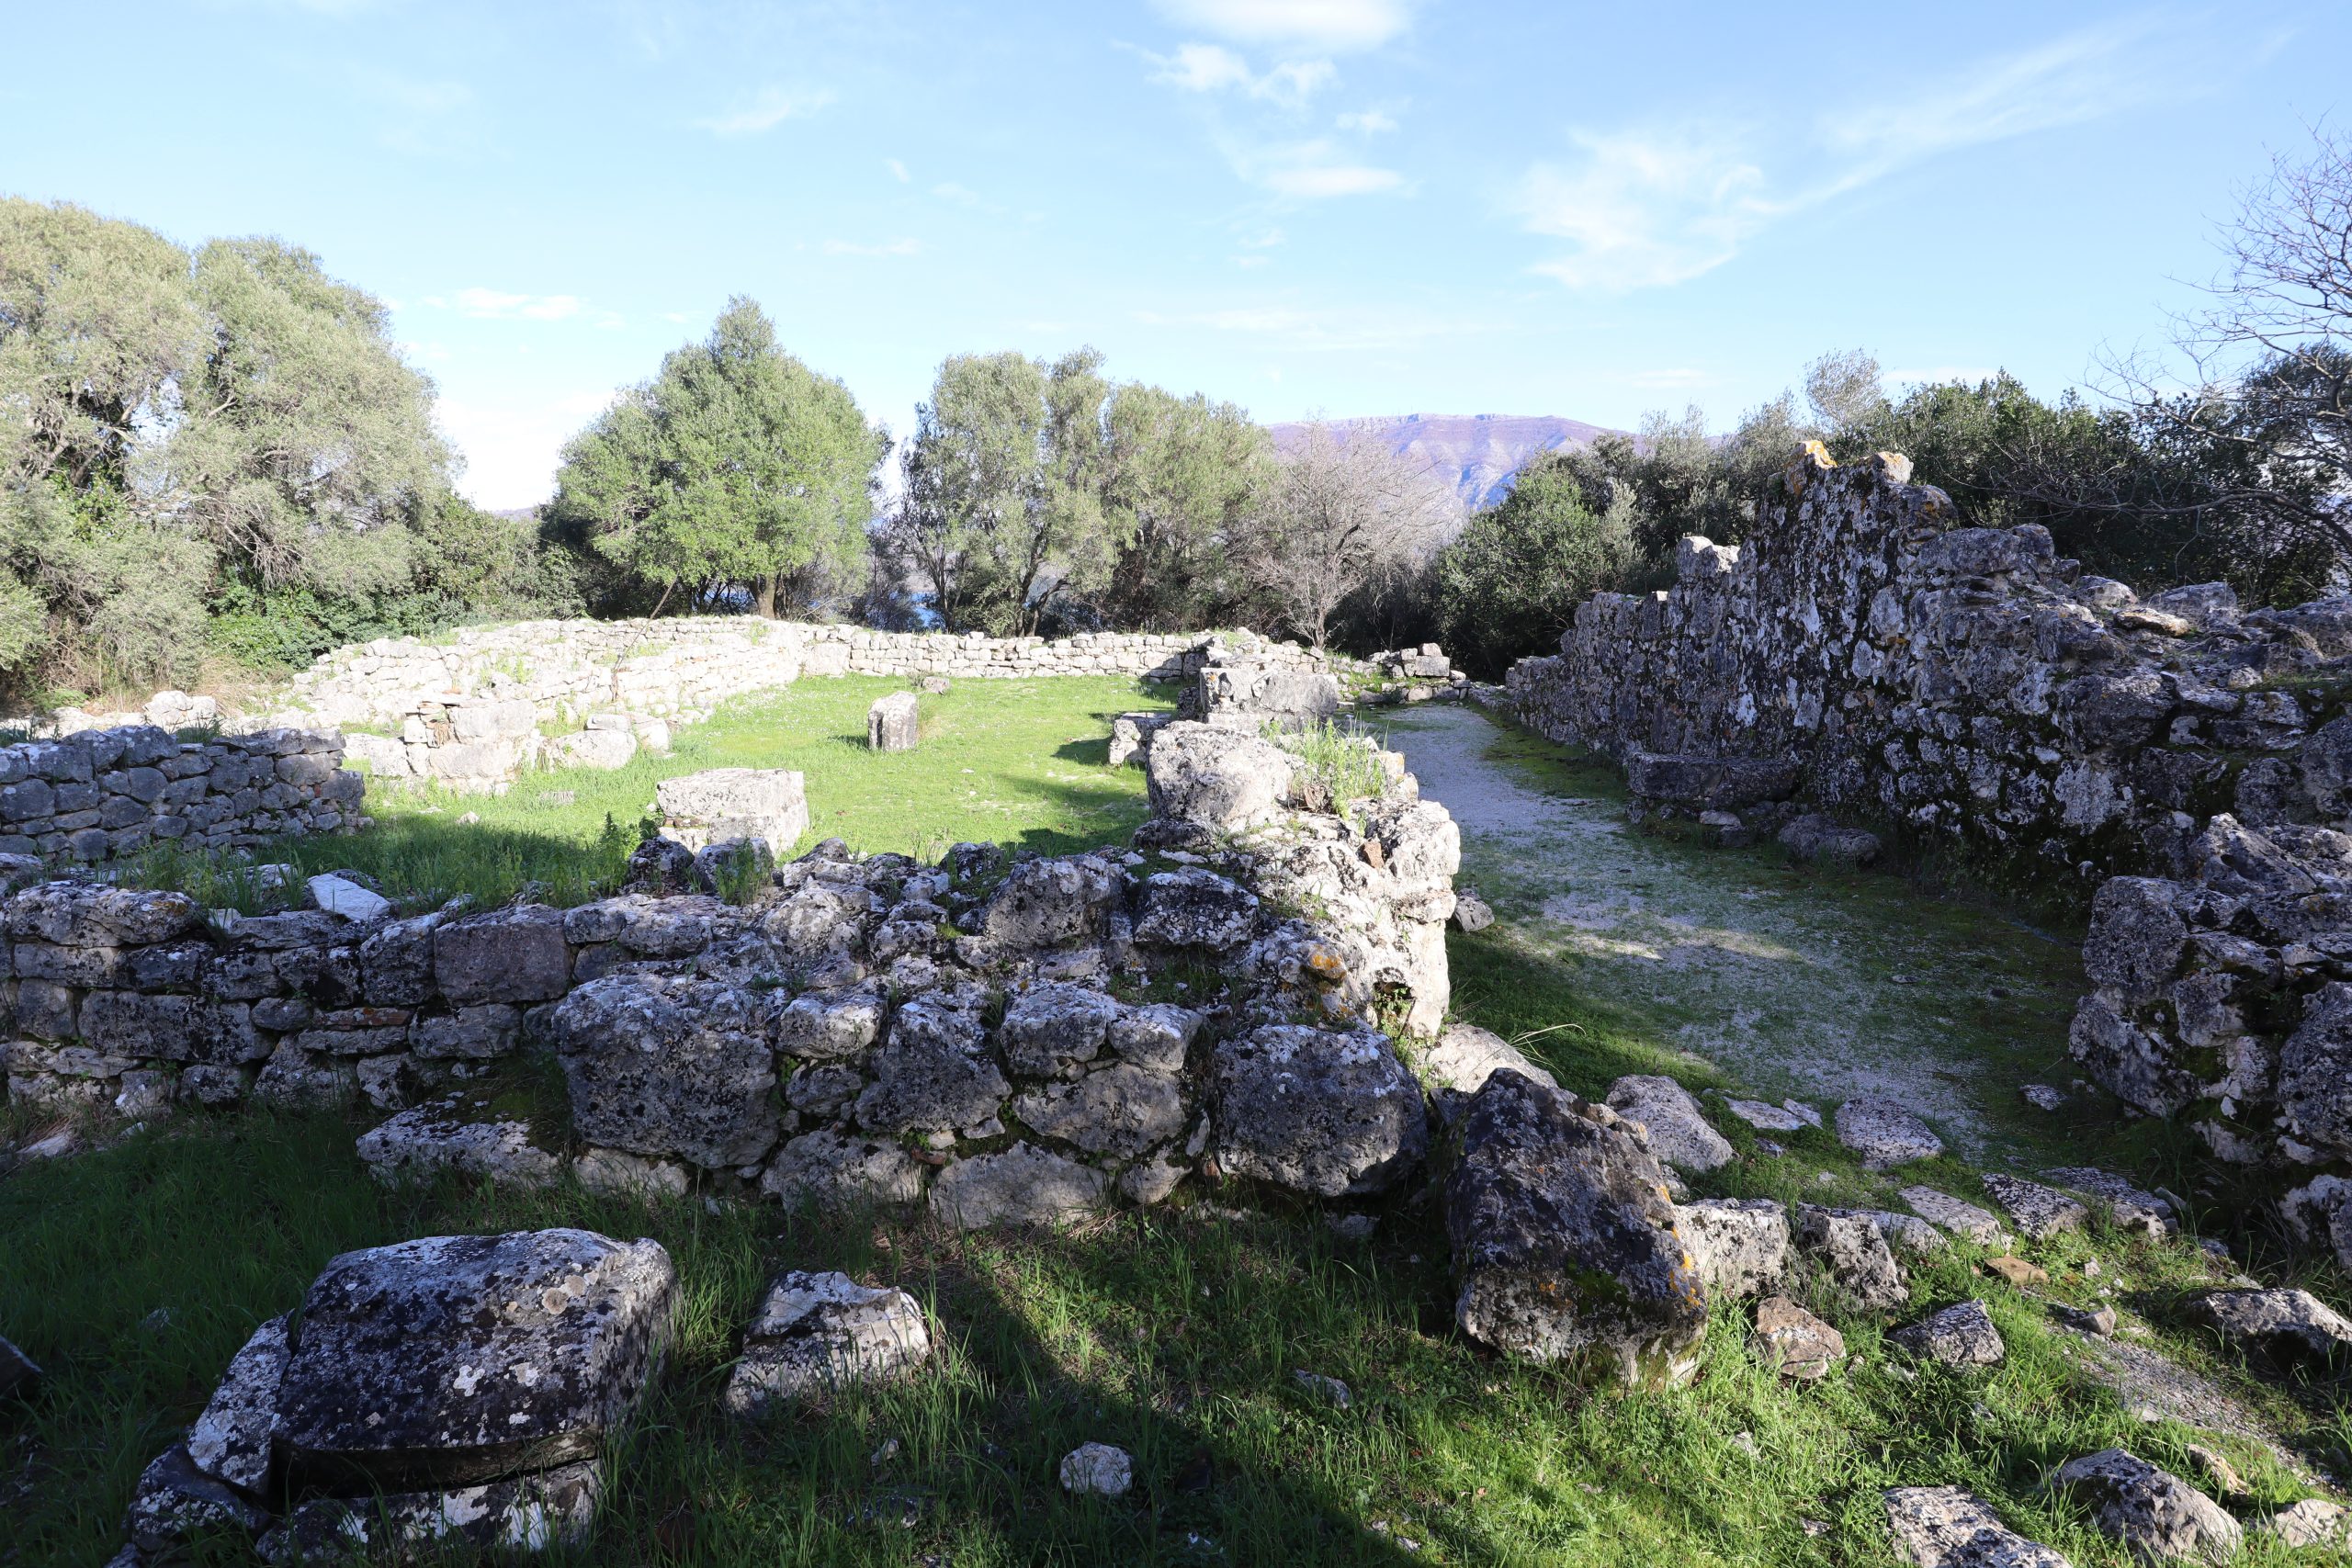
763,597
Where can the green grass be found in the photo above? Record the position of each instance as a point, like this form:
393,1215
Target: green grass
1173,1333
1018,762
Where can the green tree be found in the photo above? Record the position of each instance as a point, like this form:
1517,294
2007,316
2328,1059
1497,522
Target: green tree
1001,515
737,468
1180,476
1508,585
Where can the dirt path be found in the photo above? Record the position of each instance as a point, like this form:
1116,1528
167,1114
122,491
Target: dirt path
1822,985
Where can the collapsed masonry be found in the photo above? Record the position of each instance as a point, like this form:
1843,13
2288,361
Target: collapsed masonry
1865,654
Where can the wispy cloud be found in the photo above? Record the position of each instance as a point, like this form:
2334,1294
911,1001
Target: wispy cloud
1310,170
1212,68
1326,25
1367,122
897,170
496,305
770,110
886,248
1646,207
427,116
964,196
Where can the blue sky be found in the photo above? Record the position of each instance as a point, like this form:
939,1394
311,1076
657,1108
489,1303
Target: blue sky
1346,207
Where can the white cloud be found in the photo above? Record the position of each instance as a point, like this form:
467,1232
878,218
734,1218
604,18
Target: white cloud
1211,68
888,248
1310,170
1335,24
489,304
511,449
1367,122
897,170
1647,209
963,196
1264,240
770,110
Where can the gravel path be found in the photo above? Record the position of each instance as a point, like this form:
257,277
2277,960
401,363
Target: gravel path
1823,987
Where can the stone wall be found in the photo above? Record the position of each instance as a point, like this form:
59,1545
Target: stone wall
978,1033
100,794
2191,764
474,710
1868,653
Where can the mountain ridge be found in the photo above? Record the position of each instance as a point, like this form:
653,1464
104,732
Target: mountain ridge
1477,453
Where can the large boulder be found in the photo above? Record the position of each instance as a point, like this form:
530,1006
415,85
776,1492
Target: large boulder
1740,1246
1565,1243
454,1360
701,809
1324,1113
1217,778
2284,1329
1950,1527
816,1334
893,723
1053,903
934,1075
662,1066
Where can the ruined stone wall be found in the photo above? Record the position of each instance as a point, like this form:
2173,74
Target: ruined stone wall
101,795
1865,651
472,711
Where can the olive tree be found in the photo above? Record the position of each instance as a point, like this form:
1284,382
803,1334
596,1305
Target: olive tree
1332,512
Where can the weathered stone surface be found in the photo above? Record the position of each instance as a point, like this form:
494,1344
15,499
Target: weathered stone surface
664,1066
1564,1241
893,723
548,1509
1793,1342
1961,1336
1053,903
2284,1328
2040,1212
1318,1111
474,1034
1679,1131
1461,1062
1121,1111
2160,1516
1218,778
1739,1244
511,955
1950,1527
2126,1206
176,1503
81,914
454,1359
600,750
1708,783
1159,1037
815,1334
231,1440
619,1174
823,1026
1097,1469
1019,1186
934,1074
2314,1521
1853,1257
1766,1118
1816,839
1884,1133
769,804
340,895
829,1169
1962,1219
1052,1030
459,1134
1471,913
1195,907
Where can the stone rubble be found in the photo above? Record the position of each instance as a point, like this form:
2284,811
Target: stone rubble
817,1333
1950,1527
1961,1336
1097,1469
1884,1133
1793,1342
2159,1516
2040,1212
1954,1215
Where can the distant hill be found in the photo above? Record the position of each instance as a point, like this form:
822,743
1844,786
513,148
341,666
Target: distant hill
1478,453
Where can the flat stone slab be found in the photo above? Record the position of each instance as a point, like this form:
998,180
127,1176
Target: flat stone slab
1884,1133
1793,1342
816,1334
706,809
1679,1131
454,1360
1766,1118
1947,1212
1950,1527
459,1134
2040,1212
2127,1207
547,1509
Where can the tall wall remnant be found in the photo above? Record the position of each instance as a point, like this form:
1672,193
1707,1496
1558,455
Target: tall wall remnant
1865,651
2192,762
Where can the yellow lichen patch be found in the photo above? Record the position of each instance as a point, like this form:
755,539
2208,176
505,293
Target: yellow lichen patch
1811,456
1326,962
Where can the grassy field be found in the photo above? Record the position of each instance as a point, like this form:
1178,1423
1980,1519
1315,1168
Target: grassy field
1019,763
132,1273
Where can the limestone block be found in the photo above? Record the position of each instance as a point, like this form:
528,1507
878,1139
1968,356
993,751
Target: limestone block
893,722
699,809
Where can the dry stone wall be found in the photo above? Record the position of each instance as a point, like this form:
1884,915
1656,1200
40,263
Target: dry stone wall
476,710
1867,653
102,795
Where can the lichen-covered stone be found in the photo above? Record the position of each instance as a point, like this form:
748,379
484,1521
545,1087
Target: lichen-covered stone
2160,1516
1950,1527
1793,1342
1019,1186
1318,1111
1679,1131
1853,1258
230,1440
1565,1245
1053,1029
670,1068
817,1334
1959,1335
1740,1244
829,1169
454,1359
